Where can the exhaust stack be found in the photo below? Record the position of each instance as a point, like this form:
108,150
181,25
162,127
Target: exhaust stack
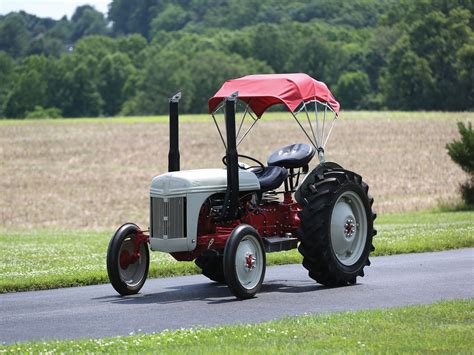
173,155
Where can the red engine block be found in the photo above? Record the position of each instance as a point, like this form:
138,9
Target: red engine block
270,219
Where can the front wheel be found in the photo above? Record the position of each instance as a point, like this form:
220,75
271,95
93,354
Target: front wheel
244,262
128,259
336,228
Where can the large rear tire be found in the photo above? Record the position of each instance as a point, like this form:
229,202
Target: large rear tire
336,228
244,262
127,277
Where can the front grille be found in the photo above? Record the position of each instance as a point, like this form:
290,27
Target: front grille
168,217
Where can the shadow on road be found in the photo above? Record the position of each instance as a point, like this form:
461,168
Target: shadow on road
212,293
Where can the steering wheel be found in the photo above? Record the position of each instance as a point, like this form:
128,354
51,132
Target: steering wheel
258,166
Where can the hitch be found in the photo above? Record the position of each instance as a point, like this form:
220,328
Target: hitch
321,157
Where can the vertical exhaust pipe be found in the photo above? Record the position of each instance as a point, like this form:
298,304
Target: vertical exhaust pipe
173,155
232,193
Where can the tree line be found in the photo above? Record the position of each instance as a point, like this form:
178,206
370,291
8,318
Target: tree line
407,55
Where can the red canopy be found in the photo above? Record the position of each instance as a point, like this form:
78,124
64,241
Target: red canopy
265,90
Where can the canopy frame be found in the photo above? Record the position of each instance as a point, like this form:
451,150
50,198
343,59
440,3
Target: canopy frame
317,135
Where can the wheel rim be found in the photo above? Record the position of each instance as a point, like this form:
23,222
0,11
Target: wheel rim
348,228
133,273
249,262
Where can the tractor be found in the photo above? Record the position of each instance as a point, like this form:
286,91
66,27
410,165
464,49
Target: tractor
226,219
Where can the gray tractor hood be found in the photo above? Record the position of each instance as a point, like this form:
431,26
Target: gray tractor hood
198,181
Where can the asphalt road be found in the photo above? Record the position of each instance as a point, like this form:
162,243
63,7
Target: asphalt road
191,301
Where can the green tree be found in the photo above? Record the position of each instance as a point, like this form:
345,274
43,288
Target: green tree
87,21
376,53
92,49
315,58
86,101
352,89
172,18
46,45
29,89
133,16
423,69
408,81
62,30
114,71
13,35
465,70
132,45
163,75
58,92
7,67
76,93
270,44
96,46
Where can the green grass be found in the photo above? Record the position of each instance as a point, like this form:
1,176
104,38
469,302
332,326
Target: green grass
392,115
423,231
42,259
33,260
444,327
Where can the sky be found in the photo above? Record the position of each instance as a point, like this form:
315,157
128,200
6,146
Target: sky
50,8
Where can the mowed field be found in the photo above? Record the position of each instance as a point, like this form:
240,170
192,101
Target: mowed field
95,174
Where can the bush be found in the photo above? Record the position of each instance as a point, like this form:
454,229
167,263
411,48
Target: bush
467,193
462,153
40,112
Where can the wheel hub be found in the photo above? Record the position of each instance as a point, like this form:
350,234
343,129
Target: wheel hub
250,262
349,227
126,259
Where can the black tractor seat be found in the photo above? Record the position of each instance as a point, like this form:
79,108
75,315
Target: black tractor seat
292,156
270,177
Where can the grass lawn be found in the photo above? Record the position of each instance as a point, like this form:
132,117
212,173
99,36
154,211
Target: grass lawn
445,327
41,259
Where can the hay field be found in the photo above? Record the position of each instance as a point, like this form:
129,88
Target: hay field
87,174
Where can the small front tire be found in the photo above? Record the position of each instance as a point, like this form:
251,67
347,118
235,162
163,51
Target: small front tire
244,262
126,275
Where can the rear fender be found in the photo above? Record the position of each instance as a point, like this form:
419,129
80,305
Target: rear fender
303,190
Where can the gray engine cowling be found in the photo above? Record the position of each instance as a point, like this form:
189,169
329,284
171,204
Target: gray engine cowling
176,199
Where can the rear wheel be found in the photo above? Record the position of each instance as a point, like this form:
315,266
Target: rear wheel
127,269
336,228
244,262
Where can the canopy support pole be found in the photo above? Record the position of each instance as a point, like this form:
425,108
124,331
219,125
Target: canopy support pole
310,124
219,130
302,128
231,201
